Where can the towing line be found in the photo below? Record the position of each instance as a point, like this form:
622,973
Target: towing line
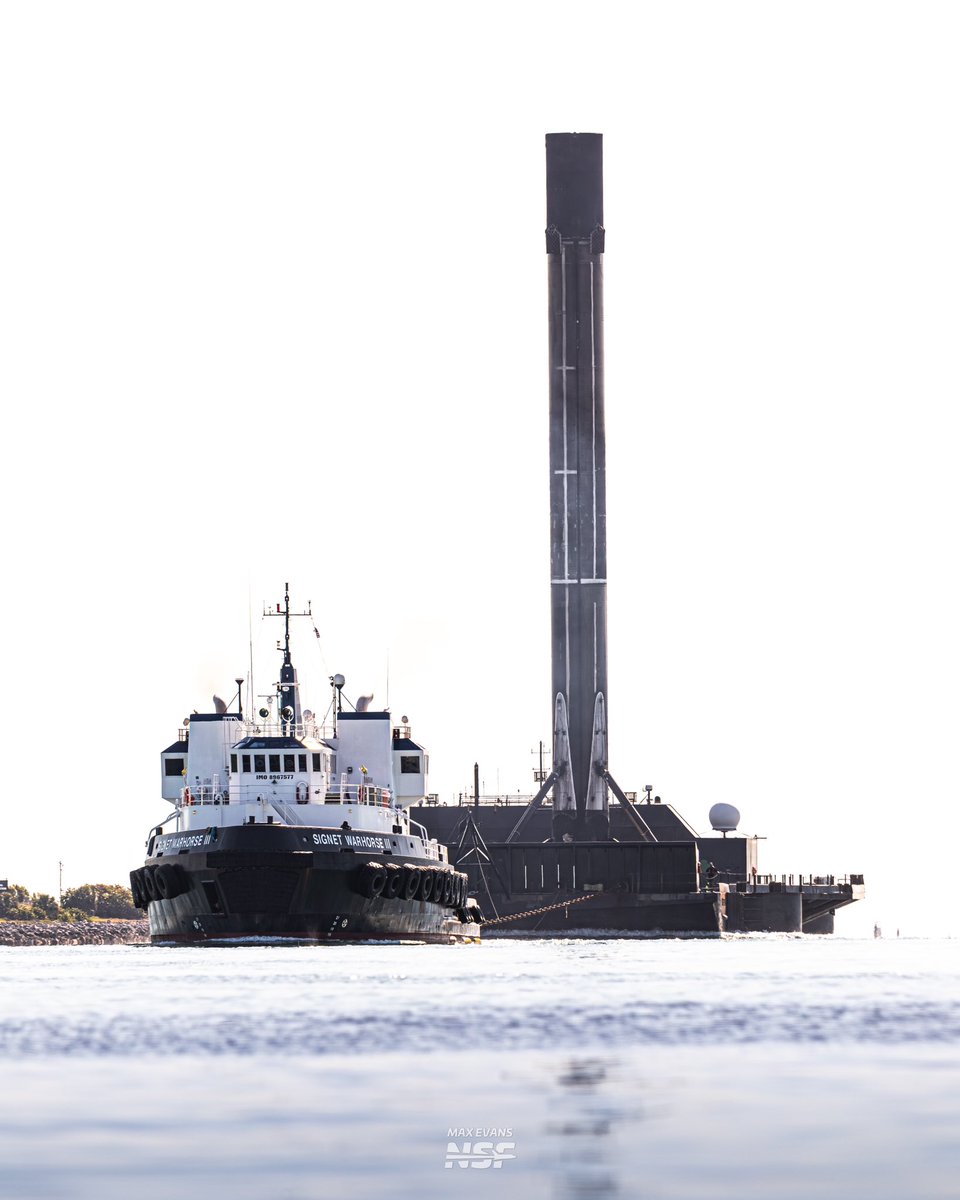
535,912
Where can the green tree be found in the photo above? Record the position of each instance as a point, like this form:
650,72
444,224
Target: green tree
45,904
12,898
101,900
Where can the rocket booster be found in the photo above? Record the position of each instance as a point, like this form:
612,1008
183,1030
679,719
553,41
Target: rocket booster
578,550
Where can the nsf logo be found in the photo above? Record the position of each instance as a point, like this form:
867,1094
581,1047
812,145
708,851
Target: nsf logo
481,1148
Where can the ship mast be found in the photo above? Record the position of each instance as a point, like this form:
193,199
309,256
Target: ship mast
288,689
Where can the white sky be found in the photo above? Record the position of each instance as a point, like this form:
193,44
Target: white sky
273,293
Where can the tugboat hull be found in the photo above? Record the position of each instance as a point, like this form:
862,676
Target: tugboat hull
190,927
229,895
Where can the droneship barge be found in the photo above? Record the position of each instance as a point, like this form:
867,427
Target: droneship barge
668,880
283,828
574,860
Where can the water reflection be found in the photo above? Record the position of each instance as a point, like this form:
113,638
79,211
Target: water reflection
587,1111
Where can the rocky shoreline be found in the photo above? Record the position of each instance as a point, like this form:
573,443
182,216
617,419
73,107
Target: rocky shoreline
74,933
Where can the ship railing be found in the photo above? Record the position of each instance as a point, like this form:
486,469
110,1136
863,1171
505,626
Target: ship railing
801,881
295,729
203,793
288,815
157,829
502,800
360,793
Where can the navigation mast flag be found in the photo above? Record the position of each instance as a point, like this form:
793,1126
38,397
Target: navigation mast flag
578,546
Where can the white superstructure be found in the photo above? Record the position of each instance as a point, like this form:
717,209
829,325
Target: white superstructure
357,775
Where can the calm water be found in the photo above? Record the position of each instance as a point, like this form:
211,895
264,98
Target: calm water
753,1068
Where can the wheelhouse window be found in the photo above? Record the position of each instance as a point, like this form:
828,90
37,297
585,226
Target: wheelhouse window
245,760
317,764
260,763
302,763
275,762
409,764
233,763
288,763
172,766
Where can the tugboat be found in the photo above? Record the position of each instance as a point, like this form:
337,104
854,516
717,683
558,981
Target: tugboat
285,828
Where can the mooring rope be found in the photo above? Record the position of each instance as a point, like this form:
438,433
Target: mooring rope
535,912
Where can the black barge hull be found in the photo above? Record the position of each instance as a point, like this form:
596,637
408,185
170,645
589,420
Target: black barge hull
610,914
625,886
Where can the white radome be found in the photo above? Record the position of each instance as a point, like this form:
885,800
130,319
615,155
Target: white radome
724,818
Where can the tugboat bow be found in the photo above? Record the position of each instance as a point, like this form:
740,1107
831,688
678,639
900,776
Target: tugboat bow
285,827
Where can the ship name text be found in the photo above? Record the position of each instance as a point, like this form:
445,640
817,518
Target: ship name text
182,841
363,841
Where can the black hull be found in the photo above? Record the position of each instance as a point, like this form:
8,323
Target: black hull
610,914
181,927
259,885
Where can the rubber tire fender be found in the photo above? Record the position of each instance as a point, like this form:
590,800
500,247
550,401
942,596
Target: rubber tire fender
169,881
411,882
394,881
373,879
426,884
150,884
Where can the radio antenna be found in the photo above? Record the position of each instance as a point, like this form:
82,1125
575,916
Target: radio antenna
250,691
